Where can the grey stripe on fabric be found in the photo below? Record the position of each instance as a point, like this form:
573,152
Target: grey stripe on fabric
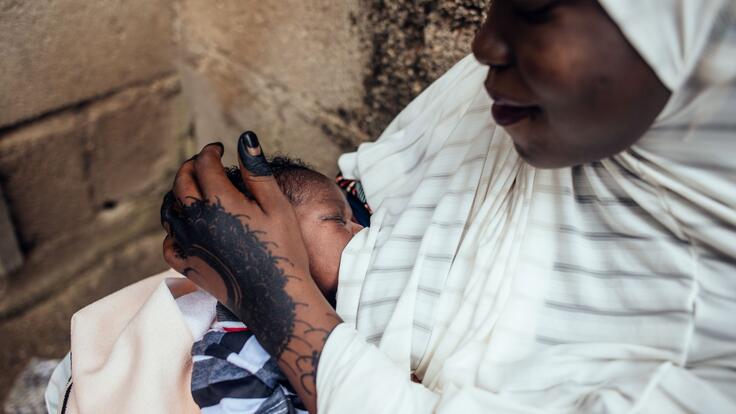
720,258
379,302
715,127
608,201
391,269
448,175
599,235
437,176
552,189
421,160
717,295
439,257
428,207
715,334
579,308
614,274
407,237
457,143
428,291
420,207
598,165
449,224
546,340
422,327
445,194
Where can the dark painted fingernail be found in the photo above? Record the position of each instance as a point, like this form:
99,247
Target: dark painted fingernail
250,139
251,154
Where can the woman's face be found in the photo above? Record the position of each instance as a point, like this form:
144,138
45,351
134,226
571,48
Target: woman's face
567,86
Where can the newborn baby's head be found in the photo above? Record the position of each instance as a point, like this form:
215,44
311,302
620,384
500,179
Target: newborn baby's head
324,215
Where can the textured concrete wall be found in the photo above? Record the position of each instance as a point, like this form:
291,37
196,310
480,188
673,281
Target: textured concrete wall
412,43
92,127
315,78
283,69
54,54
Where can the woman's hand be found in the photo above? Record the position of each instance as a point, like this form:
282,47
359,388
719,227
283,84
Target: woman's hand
250,255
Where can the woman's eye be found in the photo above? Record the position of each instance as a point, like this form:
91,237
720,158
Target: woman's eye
534,10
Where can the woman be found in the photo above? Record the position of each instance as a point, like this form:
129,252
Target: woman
575,255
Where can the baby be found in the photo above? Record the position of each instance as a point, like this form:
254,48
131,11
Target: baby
325,217
231,371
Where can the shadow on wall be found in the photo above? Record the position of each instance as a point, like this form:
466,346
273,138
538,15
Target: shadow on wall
101,101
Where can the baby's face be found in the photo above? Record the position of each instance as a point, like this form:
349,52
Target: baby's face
327,225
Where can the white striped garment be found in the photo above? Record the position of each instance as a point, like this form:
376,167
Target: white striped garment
607,287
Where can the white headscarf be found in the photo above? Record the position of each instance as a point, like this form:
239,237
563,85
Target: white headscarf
603,286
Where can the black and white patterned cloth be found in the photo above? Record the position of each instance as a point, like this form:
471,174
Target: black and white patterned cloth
233,374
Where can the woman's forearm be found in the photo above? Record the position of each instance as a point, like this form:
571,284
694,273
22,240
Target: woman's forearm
296,341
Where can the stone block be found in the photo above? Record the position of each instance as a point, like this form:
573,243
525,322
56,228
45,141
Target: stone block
54,54
42,171
135,141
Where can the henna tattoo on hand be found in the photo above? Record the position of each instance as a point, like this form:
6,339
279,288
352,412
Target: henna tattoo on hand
253,276
255,283
307,362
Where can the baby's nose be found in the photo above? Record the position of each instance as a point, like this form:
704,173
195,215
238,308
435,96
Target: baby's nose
355,227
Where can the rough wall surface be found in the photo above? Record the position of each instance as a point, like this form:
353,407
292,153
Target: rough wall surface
316,78
281,69
92,125
412,43
57,53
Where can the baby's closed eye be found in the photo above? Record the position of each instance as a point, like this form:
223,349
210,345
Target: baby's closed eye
336,217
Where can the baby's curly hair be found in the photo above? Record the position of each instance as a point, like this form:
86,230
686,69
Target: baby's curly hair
293,176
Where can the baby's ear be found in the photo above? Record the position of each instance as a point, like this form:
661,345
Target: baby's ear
233,174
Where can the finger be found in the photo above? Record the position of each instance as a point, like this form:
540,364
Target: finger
172,256
211,175
168,209
186,189
257,174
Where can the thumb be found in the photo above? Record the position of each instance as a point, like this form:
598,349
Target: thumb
257,174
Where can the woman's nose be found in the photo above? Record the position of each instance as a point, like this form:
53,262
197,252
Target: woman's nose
489,46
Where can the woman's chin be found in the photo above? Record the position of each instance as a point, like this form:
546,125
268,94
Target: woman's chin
540,157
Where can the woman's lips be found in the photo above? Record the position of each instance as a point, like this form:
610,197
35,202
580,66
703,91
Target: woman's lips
508,113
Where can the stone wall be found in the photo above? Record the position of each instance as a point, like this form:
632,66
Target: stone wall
100,102
316,78
92,126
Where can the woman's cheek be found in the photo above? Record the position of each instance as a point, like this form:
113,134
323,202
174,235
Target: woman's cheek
551,68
